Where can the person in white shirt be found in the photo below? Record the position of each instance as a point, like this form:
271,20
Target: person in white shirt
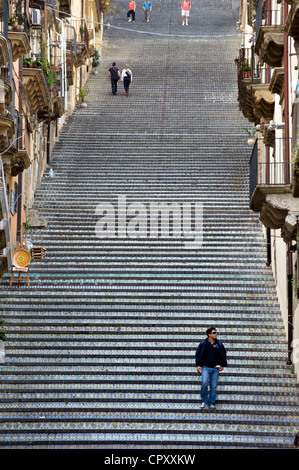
126,78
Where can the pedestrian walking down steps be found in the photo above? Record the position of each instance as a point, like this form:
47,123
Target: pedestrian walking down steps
186,7
131,12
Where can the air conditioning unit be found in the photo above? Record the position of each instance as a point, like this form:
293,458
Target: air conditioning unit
35,17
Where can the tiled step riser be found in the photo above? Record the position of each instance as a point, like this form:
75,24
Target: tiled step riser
73,389
126,439
101,347
148,365
152,350
103,421
140,425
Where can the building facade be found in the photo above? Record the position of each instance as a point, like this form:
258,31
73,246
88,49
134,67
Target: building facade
47,52
268,94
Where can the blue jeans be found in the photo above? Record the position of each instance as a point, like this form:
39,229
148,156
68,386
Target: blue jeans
127,82
209,377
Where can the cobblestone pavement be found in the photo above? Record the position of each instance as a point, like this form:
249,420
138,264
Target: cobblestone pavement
100,350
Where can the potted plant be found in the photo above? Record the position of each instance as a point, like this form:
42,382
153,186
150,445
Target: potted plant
245,66
102,6
52,80
11,23
81,96
82,32
21,18
295,286
95,60
26,240
27,62
251,133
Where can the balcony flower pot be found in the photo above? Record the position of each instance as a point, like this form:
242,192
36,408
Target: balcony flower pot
251,141
27,62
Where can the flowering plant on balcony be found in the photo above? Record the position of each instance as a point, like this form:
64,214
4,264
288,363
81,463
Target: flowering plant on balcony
49,72
245,66
17,21
104,5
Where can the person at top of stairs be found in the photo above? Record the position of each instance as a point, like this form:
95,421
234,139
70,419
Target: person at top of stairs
186,7
147,7
132,10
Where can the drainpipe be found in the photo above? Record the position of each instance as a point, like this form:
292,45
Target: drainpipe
268,263
63,65
290,306
286,98
5,18
288,179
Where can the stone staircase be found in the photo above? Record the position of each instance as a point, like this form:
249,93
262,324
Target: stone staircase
100,350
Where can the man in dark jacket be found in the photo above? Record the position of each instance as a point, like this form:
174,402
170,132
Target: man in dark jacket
210,360
114,75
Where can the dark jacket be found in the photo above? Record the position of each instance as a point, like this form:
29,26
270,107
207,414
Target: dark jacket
200,350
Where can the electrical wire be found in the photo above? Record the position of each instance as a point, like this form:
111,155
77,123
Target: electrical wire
108,25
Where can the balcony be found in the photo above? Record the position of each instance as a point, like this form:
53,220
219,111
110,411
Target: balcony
82,46
82,54
7,96
256,100
295,174
37,90
269,35
263,101
65,7
4,51
270,44
21,162
277,82
70,35
7,129
243,62
20,44
4,234
15,161
271,193
292,22
57,107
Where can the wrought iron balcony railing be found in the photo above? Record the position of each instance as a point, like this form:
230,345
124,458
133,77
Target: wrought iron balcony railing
265,169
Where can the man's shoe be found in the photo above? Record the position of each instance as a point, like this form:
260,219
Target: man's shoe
212,407
203,405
